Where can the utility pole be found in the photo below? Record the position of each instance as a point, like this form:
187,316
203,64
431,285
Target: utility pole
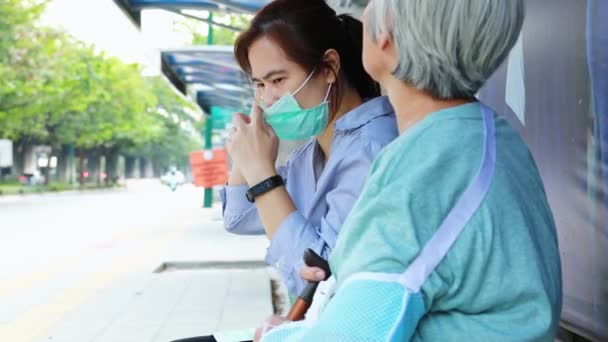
208,201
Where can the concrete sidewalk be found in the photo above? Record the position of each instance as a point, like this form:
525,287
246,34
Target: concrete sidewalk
204,281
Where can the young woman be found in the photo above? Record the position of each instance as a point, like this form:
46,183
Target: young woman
305,65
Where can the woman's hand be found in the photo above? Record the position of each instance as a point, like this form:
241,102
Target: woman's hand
235,177
272,322
312,273
253,146
307,273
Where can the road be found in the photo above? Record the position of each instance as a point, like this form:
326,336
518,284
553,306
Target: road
80,266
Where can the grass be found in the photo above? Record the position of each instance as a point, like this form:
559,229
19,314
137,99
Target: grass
6,189
15,188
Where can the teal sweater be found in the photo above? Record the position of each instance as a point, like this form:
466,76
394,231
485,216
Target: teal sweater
501,281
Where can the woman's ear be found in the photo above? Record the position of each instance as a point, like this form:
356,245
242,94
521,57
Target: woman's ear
387,45
331,62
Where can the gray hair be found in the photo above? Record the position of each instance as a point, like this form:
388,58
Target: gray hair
448,47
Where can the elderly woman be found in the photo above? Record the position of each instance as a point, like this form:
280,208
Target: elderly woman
452,238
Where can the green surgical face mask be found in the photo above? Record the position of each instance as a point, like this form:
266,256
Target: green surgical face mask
292,122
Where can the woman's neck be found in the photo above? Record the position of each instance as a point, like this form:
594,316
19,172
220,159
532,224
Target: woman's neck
412,105
350,101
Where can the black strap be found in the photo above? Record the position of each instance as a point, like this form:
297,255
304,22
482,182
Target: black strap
263,187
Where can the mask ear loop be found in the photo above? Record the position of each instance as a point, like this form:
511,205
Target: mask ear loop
328,91
297,90
327,100
306,81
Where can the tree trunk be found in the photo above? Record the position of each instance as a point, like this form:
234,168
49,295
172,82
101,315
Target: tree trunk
129,167
156,168
112,166
148,169
19,148
72,172
93,165
57,152
101,165
81,166
62,163
142,167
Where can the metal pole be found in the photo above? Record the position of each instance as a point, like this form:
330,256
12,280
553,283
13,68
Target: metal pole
208,201
71,164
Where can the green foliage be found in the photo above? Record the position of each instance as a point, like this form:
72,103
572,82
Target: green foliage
177,134
58,91
20,49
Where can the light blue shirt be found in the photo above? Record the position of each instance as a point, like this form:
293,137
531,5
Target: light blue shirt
323,196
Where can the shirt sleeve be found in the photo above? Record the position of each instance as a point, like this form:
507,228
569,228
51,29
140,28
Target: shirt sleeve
241,216
296,233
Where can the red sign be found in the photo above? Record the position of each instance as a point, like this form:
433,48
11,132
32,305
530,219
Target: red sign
209,168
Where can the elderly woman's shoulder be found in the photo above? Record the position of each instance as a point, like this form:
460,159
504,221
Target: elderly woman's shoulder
433,147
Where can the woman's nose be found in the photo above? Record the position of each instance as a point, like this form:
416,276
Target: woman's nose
270,97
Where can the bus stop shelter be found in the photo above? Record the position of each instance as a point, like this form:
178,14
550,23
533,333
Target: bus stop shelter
562,116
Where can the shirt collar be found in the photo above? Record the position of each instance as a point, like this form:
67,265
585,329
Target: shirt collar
369,110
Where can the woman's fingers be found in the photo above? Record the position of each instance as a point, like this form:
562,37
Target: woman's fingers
312,273
240,120
256,114
270,323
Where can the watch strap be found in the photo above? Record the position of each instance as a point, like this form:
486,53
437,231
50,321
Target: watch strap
263,187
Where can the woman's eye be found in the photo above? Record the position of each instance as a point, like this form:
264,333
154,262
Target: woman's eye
259,85
278,80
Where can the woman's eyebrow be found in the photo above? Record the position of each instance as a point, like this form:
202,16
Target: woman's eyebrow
269,74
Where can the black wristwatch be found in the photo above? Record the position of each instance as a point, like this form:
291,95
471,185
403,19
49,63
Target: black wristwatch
264,187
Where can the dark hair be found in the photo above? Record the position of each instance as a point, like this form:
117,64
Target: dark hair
305,30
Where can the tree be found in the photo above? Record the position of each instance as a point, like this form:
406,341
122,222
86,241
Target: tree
57,91
178,135
20,55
